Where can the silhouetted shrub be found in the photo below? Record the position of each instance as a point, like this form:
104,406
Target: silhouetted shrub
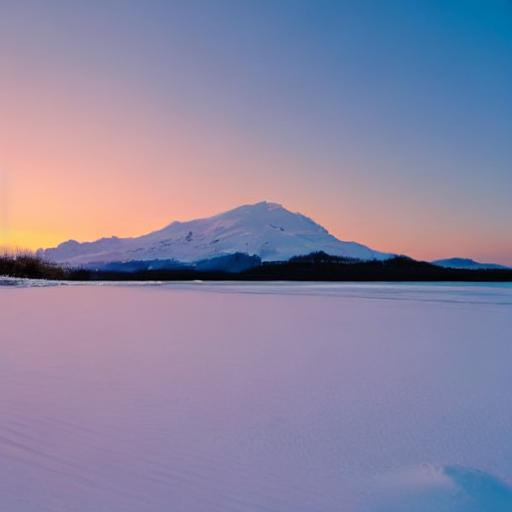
25,264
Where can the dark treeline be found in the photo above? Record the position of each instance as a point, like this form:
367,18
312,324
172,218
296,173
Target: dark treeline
321,267
26,265
314,267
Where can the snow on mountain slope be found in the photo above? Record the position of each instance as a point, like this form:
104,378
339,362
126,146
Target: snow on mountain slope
264,229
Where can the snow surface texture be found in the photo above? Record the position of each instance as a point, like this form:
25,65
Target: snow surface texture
444,489
241,398
264,229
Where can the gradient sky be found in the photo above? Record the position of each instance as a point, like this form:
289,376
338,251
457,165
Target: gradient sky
389,122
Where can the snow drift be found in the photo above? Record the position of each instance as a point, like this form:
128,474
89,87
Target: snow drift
442,489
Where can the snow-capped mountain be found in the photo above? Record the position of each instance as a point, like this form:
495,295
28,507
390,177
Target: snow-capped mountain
263,229
468,264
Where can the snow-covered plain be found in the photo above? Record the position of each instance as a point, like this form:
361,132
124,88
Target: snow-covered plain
255,397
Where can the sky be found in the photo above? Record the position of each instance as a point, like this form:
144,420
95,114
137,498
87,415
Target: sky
388,122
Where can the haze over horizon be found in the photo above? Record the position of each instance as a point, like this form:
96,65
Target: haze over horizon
387,123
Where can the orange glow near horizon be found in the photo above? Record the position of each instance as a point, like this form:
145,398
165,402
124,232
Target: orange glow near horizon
86,183
144,215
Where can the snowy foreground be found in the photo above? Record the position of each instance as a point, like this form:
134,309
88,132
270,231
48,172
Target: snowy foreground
262,397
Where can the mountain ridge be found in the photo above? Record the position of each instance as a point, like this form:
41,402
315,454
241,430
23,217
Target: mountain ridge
264,229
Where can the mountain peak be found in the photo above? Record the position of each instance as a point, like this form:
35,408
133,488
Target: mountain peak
269,205
261,206
264,229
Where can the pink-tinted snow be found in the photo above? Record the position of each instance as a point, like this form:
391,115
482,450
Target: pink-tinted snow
263,397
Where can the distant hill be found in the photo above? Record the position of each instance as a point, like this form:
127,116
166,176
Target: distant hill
231,263
466,263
